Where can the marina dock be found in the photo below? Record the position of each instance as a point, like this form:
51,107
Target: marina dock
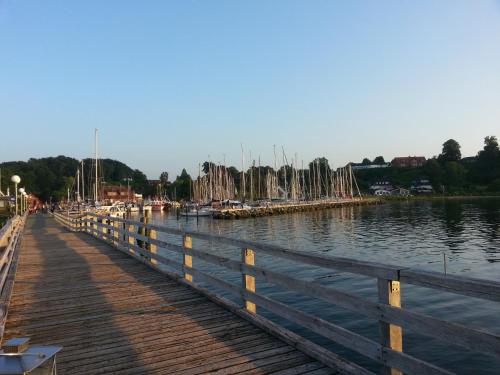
105,290
290,207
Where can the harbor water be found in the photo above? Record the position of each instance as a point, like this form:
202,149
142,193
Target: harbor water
461,235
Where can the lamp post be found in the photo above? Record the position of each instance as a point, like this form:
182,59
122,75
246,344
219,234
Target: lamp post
15,179
25,195
21,192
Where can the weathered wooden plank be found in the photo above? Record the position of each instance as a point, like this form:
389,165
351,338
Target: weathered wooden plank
301,369
479,288
304,345
176,355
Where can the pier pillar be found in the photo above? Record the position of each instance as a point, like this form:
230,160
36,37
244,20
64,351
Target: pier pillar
94,225
116,234
130,239
248,257
187,243
391,336
124,229
151,233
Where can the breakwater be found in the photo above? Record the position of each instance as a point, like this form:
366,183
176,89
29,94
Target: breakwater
279,209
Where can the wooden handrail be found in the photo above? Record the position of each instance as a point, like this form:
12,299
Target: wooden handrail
10,235
387,310
480,288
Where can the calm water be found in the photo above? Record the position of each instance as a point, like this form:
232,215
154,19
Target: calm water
414,234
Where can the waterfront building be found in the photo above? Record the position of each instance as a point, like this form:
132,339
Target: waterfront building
408,162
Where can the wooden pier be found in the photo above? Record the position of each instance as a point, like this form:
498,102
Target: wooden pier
88,283
113,314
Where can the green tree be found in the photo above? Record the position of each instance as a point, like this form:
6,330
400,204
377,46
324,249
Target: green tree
379,160
455,174
488,161
366,161
490,154
450,152
435,172
206,166
182,185
164,178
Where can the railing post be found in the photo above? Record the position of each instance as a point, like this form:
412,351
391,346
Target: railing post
248,257
116,234
151,233
101,229
108,230
187,243
391,336
130,239
151,247
124,229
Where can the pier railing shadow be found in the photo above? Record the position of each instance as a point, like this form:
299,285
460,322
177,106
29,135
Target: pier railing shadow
139,240
56,298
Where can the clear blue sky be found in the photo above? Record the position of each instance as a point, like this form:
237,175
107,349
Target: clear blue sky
170,82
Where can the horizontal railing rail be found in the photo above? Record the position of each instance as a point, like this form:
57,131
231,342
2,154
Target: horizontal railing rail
139,239
10,235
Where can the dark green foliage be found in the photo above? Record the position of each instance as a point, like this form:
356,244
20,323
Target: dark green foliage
181,187
379,160
164,178
488,162
448,172
450,152
51,177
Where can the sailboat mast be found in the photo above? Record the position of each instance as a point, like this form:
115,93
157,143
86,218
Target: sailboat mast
318,175
96,166
285,162
350,177
242,182
83,185
78,184
251,176
275,172
260,195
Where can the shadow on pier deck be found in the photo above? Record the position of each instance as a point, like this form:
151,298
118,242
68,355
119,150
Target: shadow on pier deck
113,314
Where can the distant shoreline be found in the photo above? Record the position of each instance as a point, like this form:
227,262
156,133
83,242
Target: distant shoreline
440,197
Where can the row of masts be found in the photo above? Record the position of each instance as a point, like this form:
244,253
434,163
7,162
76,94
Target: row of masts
92,182
289,182
216,184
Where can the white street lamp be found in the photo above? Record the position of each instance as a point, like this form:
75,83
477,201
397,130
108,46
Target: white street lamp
15,179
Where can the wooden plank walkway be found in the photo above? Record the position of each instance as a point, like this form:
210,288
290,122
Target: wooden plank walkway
114,315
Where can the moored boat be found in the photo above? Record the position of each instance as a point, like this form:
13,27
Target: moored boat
193,212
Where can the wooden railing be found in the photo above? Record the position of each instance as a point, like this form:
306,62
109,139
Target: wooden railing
10,235
139,239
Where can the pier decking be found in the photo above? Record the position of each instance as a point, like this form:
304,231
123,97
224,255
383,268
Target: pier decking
121,299
113,314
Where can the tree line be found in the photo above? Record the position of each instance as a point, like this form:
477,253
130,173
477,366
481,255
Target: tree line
49,178
448,172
